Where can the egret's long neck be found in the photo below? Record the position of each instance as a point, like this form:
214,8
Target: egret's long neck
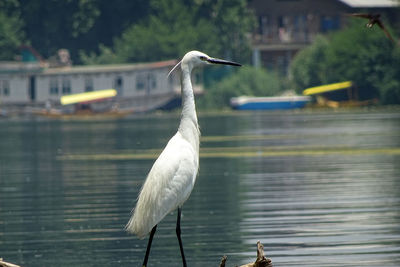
188,126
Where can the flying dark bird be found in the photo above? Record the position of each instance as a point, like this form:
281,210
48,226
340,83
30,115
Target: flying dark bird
372,20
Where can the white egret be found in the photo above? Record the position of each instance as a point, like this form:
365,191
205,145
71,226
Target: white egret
172,177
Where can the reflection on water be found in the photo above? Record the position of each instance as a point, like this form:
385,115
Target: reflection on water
316,189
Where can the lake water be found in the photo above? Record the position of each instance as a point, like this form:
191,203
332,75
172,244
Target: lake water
317,189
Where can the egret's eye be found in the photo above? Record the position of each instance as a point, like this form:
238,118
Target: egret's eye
203,58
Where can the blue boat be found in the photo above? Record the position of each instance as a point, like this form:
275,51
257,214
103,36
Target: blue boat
269,103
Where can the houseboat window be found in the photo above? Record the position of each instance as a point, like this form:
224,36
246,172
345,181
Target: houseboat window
88,85
53,86
66,86
152,81
6,88
140,82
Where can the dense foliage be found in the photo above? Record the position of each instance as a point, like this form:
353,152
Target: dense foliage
11,32
73,24
362,55
101,31
175,26
246,80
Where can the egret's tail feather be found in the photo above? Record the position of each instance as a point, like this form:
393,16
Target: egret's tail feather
133,228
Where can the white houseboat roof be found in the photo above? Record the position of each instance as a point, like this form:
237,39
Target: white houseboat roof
21,67
371,3
41,68
107,68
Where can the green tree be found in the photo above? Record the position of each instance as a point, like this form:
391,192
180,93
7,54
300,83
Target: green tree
175,26
78,25
362,55
11,32
247,80
51,25
232,20
389,86
170,30
307,68
105,56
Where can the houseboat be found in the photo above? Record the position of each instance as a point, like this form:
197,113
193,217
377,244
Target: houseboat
140,87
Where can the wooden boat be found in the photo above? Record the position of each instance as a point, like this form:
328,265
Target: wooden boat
82,114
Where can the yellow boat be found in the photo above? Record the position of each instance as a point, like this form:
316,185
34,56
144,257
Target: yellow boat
83,106
325,99
88,97
327,88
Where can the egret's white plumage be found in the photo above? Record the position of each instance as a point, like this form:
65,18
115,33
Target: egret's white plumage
173,175
168,185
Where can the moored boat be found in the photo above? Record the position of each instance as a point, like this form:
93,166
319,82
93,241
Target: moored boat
269,103
97,104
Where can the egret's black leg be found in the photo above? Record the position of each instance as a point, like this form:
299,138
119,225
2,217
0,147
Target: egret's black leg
178,234
146,257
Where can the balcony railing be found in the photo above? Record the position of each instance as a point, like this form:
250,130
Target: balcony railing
293,29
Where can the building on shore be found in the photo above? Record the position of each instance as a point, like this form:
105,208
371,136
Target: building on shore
141,87
286,26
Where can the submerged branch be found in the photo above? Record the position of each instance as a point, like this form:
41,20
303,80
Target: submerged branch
261,260
223,260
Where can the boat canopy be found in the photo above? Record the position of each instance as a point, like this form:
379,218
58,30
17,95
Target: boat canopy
327,88
88,97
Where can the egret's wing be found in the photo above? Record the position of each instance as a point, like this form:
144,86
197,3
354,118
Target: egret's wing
173,174
167,185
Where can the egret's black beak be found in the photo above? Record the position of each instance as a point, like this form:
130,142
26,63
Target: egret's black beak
223,62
